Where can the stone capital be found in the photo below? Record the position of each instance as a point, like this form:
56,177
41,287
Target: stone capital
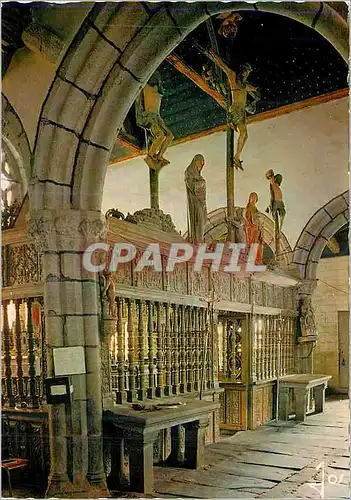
66,230
307,287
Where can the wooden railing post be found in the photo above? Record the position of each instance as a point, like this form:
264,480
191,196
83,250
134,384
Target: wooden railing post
10,400
131,393
33,399
151,391
19,353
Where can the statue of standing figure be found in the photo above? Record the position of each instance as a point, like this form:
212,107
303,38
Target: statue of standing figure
276,207
196,196
253,229
307,317
148,106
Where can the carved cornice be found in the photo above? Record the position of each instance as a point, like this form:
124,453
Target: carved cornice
68,230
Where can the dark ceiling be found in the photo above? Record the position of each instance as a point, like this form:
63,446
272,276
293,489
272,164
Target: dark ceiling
290,61
342,237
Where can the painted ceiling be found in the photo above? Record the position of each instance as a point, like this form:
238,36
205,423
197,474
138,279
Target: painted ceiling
290,61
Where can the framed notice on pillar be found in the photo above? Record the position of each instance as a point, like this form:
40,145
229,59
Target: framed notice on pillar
69,360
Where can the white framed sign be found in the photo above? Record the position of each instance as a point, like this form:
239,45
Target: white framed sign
69,360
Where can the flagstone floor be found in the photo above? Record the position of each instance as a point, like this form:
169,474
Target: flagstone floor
309,460
294,460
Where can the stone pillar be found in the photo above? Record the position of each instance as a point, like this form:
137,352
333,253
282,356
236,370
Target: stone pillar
195,443
306,328
71,309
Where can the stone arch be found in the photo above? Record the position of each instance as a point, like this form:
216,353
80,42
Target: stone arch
216,229
15,143
318,230
115,51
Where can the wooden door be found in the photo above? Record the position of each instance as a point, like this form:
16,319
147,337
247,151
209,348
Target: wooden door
343,331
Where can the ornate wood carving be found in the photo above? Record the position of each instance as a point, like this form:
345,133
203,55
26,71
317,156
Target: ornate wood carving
24,265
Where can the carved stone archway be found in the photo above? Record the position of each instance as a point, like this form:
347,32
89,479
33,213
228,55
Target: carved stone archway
318,230
15,143
216,229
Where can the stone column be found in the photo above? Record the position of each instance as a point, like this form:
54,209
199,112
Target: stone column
71,311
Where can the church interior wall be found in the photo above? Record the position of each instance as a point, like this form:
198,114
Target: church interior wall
291,144
327,301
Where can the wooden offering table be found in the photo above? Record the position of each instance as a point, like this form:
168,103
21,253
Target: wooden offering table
138,429
301,385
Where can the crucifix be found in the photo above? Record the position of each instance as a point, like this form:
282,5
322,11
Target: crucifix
233,97
158,136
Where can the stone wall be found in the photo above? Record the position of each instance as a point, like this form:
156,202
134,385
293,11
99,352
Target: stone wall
327,302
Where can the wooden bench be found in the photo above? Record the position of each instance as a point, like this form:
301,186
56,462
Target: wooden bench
139,429
301,384
11,464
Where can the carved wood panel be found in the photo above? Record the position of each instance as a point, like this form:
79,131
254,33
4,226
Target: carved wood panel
177,280
24,265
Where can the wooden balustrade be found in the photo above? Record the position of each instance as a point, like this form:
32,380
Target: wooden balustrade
265,333
159,346
24,351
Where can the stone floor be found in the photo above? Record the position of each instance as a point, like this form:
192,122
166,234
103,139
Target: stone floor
275,461
306,460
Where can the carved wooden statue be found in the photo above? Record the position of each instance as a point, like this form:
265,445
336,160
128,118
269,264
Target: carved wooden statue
196,196
307,318
253,229
148,116
109,293
238,102
277,207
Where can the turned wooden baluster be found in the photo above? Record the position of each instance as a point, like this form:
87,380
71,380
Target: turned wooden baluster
292,327
19,354
33,399
175,350
209,375
197,348
182,363
159,365
254,348
274,345
259,348
10,400
203,329
265,349
131,393
189,329
224,349
270,345
151,391
168,348
121,393
141,352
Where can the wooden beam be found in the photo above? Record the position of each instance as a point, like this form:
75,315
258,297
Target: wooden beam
127,142
183,68
266,115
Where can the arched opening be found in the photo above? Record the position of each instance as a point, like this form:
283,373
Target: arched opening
118,64
15,165
322,226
